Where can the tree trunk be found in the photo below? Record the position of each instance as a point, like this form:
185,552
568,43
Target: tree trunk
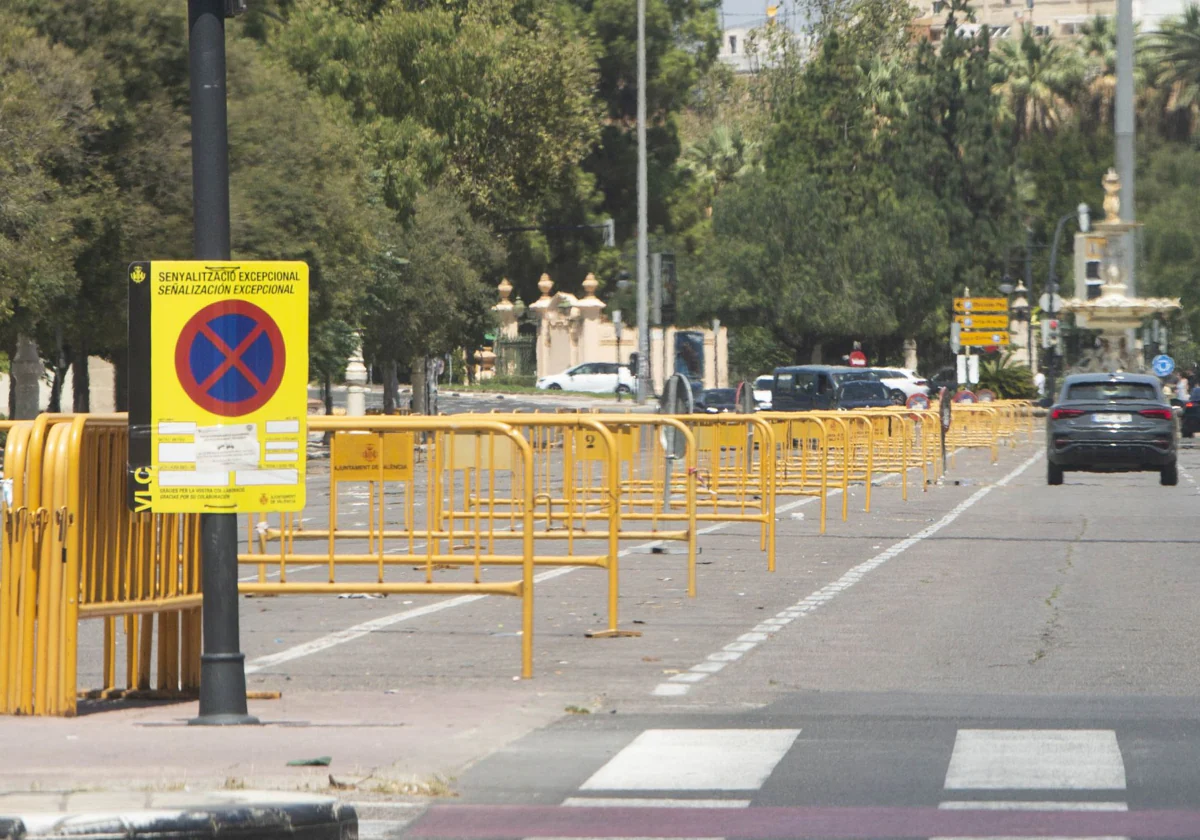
389,386
420,382
818,352
26,372
121,381
327,392
81,381
54,406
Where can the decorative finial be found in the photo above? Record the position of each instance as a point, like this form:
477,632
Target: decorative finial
590,284
1112,197
505,289
545,284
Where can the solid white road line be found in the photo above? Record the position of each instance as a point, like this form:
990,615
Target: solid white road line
1011,805
680,685
619,802
1036,759
695,759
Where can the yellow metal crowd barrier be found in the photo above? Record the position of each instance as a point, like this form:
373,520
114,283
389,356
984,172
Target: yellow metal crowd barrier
735,470
444,515
73,551
974,426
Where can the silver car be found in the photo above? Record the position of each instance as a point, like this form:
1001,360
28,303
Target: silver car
1116,422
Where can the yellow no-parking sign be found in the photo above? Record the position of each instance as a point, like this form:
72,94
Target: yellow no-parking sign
218,361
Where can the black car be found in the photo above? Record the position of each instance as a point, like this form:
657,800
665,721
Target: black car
865,394
716,401
813,387
1189,421
1116,422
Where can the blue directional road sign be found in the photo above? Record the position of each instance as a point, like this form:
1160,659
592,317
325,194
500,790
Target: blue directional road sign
1163,365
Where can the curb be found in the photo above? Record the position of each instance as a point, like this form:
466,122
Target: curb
117,816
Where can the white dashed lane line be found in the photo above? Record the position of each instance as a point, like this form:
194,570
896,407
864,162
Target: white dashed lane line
681,684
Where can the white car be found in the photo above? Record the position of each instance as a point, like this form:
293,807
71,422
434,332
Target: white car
593,378
906,382
763,386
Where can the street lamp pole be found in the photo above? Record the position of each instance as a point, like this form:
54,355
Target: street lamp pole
1029,288
222,664
643,280
618,328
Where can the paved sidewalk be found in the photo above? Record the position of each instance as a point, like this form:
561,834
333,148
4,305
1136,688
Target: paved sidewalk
407,742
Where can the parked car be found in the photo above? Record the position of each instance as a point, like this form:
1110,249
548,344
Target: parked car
1118,422
865,394
1189,420
593,378
902,382
717,401
812,387
762,392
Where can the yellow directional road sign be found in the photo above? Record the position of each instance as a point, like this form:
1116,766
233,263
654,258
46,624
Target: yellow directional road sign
982,322
980,304
983,339
219,386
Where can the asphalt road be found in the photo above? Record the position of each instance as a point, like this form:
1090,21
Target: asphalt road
1028,668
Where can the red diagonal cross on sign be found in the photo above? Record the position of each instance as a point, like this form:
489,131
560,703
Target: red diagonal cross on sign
233,357
263,384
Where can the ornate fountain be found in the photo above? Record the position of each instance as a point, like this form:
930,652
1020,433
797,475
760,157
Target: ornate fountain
1114,314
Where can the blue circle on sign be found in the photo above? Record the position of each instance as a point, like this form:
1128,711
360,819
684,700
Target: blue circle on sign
1163,365
209,355
230,358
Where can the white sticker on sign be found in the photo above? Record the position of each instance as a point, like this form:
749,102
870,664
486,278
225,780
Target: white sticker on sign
227,447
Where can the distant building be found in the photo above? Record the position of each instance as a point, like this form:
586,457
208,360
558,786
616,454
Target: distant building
734,50
744,48
1060,18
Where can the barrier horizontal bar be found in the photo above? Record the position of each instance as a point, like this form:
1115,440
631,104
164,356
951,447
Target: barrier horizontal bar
514,588
141,607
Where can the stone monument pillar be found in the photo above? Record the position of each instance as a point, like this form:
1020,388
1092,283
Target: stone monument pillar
591,310
542,310
506,313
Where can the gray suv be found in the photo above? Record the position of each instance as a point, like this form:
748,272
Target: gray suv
1116,422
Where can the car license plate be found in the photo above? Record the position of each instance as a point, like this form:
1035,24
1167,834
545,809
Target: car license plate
1109,417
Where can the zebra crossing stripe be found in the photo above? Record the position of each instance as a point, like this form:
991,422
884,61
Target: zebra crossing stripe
1036,759
695,759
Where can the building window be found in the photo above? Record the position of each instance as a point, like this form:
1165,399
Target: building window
733,45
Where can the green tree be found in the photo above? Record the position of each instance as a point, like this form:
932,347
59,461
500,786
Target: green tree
47,115
719,159
427,291
1038,78
1176,48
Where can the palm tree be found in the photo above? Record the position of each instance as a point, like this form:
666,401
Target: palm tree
1177,49
1036,77
883,91
1098,96
721,158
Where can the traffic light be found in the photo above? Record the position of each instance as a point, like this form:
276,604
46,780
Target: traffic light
1093,279
1049,332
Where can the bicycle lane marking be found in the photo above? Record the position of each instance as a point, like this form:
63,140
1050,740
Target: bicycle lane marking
681,684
